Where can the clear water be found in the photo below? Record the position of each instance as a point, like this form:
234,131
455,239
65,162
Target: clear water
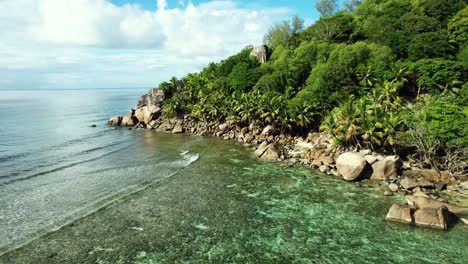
160,198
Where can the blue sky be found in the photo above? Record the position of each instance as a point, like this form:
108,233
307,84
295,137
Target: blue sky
56,44
303,8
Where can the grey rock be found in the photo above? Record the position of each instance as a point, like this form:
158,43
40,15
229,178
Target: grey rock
153,97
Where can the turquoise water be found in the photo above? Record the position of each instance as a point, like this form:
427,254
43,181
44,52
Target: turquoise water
160,198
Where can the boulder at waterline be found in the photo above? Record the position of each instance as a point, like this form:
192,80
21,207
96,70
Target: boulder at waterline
432,217
400,213
114,121
223,128
386,168
271,153
261,149
147,113
351,166
177,129
128,120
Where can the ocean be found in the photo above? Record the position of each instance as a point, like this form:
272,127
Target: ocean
73,193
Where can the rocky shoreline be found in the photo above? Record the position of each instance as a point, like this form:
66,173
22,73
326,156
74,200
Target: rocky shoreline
434,199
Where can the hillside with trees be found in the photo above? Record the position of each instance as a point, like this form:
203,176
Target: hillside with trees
390,75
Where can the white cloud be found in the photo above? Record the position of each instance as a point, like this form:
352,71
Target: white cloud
98,41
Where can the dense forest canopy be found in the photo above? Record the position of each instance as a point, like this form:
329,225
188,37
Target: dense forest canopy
384,74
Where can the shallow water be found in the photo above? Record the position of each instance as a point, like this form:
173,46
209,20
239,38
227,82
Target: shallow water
187,199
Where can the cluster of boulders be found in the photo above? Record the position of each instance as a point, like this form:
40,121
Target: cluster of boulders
423,211
148,109
319,151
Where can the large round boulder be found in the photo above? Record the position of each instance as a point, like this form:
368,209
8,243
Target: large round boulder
351,166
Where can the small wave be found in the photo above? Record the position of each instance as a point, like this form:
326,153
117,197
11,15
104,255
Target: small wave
61,167
52,148
184,152
12,157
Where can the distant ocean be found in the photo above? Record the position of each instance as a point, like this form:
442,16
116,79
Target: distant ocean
55,167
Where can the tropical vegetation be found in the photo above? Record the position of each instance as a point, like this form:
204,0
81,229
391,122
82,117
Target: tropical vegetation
384,74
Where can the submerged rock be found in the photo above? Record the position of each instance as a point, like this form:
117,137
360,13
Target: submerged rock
400,213
351,166
424,202
437,218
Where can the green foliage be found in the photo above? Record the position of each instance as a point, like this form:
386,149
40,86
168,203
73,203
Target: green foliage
442,10
430,45
463,57
435,76
375,120
444,118
344,71
337,28
347,74
326,8
351,5
243,77
284,33
458,28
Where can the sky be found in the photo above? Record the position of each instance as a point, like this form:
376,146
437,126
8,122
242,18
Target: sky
74,44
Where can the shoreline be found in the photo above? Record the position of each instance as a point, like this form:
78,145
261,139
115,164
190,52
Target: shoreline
210,206
318,151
